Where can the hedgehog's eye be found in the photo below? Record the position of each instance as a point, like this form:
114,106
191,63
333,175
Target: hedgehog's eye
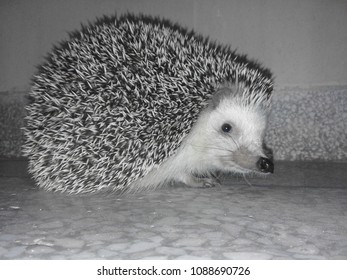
226,127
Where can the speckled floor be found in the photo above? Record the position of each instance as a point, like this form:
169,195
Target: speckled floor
298,213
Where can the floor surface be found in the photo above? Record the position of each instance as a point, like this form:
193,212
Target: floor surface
300,212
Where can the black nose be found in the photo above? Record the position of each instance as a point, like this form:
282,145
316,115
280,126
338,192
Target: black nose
265,165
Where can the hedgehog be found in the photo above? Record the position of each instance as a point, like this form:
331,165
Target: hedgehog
136,102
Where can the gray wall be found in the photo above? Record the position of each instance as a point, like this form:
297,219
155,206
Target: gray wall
304,42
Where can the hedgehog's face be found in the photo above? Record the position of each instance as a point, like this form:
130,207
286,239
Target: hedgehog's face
237,143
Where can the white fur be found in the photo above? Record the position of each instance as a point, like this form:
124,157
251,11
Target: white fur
207,148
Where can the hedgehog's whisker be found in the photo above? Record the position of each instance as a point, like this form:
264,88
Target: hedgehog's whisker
247,181
210,147
236,144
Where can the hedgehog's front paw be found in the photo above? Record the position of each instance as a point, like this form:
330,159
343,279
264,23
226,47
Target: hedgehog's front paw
211,182
202,182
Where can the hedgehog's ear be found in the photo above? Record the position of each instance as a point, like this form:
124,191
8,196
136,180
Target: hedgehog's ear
219,95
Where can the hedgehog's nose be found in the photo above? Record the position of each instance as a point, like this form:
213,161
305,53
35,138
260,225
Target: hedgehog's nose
265,165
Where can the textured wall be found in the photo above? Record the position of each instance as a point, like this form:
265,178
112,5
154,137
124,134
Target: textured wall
305,124
11,120
309,124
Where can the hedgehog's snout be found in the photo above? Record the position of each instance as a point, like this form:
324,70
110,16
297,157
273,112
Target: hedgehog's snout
265,165
247,159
